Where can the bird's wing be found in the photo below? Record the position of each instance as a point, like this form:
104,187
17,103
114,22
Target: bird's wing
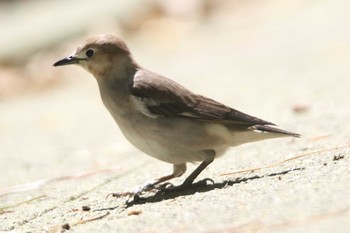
161,97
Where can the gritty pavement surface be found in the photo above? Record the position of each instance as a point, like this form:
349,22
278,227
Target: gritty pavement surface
61,152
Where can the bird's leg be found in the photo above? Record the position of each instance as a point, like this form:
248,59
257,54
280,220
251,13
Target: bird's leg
210,155
178,170
168,187
189,180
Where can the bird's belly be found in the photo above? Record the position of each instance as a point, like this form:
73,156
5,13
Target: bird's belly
174,140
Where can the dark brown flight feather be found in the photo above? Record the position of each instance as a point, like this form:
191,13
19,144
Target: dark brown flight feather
166,98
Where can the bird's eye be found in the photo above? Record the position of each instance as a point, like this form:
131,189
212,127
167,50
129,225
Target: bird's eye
89,53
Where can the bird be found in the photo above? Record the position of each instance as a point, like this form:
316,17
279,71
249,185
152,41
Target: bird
161,117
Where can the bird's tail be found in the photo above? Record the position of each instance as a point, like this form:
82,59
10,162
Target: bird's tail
274,130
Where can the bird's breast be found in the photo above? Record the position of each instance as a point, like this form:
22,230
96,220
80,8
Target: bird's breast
170,139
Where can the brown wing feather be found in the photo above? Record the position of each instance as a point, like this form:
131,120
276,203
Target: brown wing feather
170,99
215,111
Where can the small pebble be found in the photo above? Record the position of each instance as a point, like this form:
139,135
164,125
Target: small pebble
65,226
85,208
337,157
134,212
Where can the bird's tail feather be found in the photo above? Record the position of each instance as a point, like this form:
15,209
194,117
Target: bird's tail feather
272,129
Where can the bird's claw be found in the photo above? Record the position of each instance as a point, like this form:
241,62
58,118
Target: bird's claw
206,182
163,186
186,185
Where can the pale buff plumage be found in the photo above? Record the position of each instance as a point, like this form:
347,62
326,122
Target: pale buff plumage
162,118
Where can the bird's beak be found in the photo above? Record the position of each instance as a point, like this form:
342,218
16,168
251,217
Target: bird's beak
68,60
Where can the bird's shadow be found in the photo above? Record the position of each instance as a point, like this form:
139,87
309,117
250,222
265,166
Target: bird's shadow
199,187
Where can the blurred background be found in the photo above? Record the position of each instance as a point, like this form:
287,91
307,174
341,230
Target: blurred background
284,61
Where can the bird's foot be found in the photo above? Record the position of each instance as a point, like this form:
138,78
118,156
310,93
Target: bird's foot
161,188
205,182
168,187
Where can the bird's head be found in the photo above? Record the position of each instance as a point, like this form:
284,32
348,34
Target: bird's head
101,55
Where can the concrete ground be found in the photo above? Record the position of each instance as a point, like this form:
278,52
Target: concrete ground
61,152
